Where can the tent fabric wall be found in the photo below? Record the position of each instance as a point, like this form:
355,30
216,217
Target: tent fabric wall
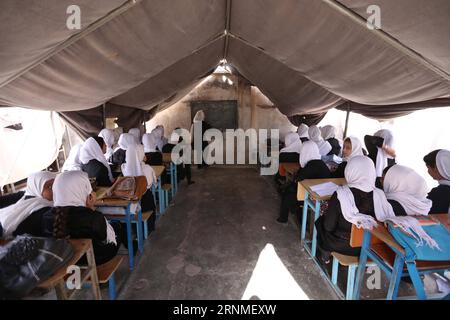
23,145
304,55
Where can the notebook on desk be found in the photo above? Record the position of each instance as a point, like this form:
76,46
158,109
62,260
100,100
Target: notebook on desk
124,188
325,189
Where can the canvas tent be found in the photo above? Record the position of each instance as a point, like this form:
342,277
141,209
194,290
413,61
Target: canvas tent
307,56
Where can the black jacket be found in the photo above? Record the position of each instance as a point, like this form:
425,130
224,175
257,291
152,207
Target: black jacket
335,147
118,157
440,196
96,169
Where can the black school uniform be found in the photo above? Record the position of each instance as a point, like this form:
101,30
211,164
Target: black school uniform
10,199
304,139
314,169
340,171
82,223
96,169
154,158
399,211
118,157
440,196
289,157
333,231
335,147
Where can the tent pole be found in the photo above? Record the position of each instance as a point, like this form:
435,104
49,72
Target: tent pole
104,116
347,117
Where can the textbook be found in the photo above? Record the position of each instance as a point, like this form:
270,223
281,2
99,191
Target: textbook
123,188
325,189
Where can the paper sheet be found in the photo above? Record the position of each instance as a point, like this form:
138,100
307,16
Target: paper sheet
325,189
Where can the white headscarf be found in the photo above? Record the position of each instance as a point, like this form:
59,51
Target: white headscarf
91,151
303,131
405,186
199,117
150,142
109,138
292,143
316,136
135,167
328,132
13,215
309,152
126,140
72,189
174,138
382,156
159,135
443,166
73,160
136,133
356,148
360,174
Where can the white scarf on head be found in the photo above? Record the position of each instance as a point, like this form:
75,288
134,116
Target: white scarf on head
150,142
109,138
316,136
356,148
159,135
73,162
443,166
125,140
135,167
13,215
328,132
360,174
382,156
292,143
91,151
136,133
408,188
309,152
302,131
72,189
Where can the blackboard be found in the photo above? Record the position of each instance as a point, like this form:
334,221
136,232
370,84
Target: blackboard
220,114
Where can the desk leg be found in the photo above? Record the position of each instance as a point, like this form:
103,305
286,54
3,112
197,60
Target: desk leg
396,276
176,178
304,217
129,237
417,282
160,197
94,278
362,265
139,231
314,237
154,200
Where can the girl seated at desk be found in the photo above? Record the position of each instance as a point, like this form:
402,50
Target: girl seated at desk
303,132
352,148
316,136
153,156
74,216
136,133
438,164
108,136
406,191
329,135
125,140
94,163
360,203
161,140
38,197
183,170
291,151
380,148
311,167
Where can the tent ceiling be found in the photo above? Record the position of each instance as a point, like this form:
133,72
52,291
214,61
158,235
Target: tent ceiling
305,55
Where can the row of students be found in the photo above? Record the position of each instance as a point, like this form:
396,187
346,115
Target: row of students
61,206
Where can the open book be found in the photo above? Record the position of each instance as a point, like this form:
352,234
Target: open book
325,189
123,188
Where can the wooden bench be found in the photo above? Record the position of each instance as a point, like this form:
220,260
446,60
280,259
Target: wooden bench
351,262
106,273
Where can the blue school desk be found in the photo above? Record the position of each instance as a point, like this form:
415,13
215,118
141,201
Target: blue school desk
125,211
312,200
391,257
158,188
167,159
